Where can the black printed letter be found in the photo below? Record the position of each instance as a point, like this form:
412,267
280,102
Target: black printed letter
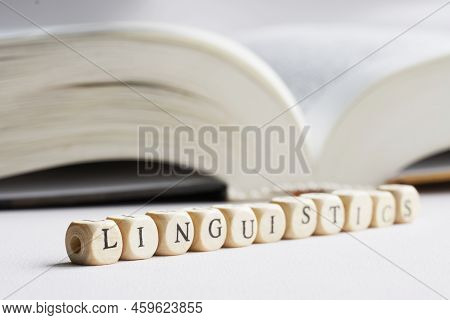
105,238
334,208
141,241
306,209
180,231
357,215
385,219
243,229
219,233
408,207
271,223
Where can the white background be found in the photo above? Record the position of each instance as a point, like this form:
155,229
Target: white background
325,267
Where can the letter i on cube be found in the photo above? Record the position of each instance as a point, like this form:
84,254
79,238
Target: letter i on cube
271,222
357,208
139,236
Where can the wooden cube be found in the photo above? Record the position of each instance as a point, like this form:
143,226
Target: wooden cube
210,229
383,208
357,208
175,231
139,236
271,222
242,226
93,243
407,201
301,216
330,212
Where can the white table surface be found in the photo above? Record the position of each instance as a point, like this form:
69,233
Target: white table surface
334,267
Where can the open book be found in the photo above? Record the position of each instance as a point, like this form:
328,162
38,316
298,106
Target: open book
79,94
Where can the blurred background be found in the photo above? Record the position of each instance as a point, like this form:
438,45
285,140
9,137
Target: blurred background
230,18
241,21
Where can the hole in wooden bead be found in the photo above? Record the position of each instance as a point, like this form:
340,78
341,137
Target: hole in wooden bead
75,244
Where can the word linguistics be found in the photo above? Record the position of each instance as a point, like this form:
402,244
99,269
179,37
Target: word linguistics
238,225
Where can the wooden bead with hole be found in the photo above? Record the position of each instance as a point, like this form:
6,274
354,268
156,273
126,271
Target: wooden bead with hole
139,236
242,226
301,216
93,243
330,212
210,229
175,231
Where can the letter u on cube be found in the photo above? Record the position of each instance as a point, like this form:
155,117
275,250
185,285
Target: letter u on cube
242,225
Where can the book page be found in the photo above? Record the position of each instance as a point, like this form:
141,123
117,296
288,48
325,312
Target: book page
306,57
60,110
328,67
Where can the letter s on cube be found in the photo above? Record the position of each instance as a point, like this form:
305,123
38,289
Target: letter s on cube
301,216
407,201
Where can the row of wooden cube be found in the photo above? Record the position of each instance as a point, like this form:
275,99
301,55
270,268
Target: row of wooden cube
237,225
